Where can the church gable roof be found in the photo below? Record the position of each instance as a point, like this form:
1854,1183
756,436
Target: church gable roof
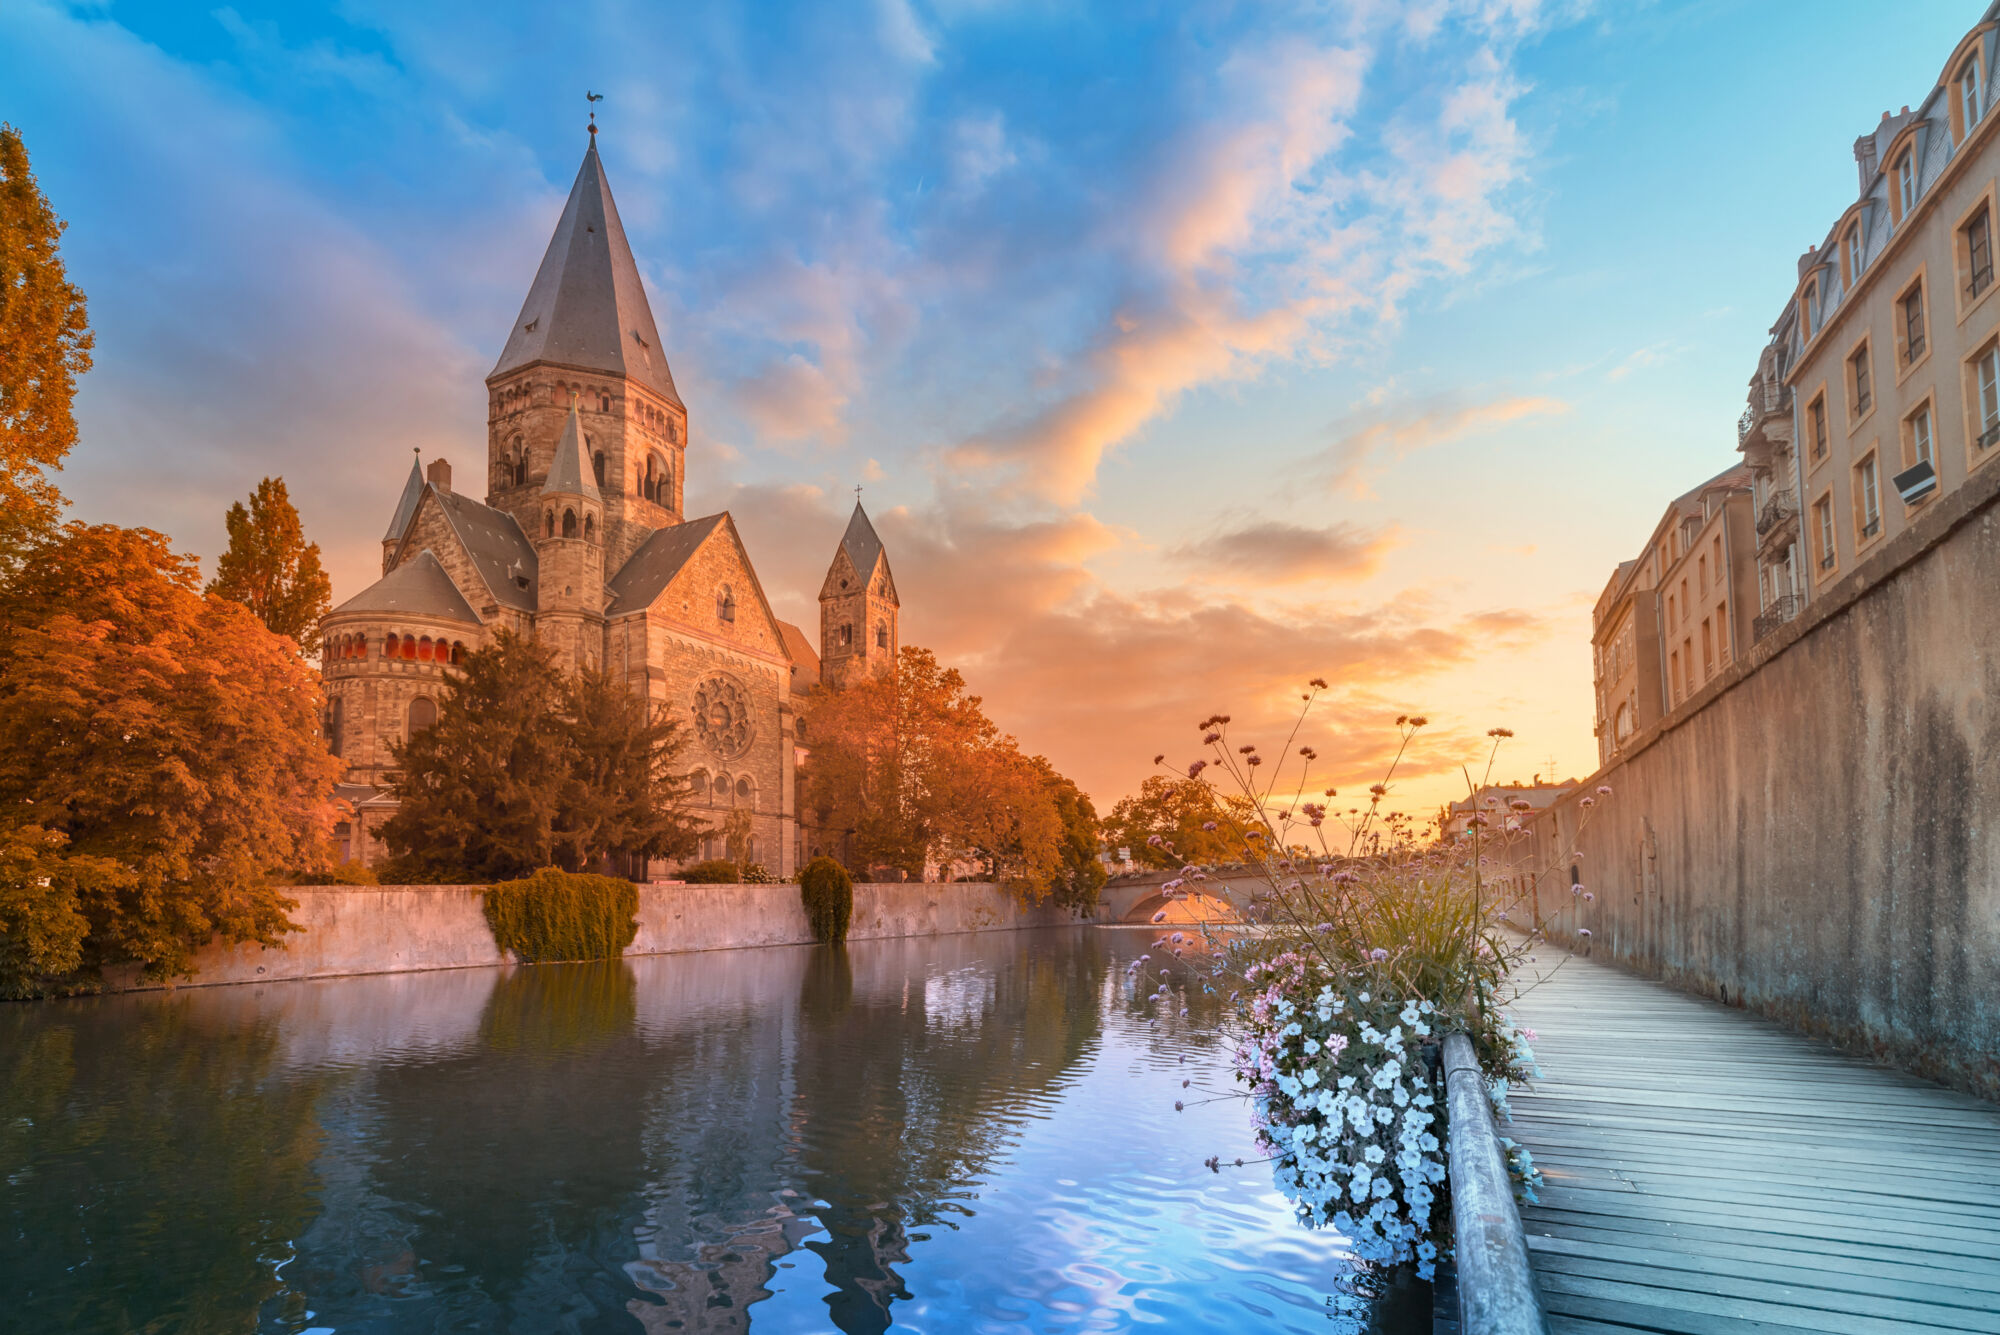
571,474
499,551
587,307
417,588
647,572
406,507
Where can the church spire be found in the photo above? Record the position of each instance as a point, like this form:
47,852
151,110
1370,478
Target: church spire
587,307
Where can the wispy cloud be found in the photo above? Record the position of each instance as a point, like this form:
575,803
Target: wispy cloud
1369,442
1270,551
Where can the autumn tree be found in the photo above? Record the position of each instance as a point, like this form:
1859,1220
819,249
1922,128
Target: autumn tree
912,766
530,767
160,757
45,345
1191,821
271,569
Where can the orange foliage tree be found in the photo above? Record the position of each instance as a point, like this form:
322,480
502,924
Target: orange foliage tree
909,768
160,758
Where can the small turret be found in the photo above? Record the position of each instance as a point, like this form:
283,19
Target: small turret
406,508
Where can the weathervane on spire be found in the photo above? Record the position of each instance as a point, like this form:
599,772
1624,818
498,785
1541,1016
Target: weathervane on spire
593,97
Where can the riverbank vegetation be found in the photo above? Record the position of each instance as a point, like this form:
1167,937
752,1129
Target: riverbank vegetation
828,894
1372,942
908,773
159,746
557,915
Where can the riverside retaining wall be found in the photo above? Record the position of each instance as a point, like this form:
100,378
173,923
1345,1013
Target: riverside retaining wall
1816,835
408,928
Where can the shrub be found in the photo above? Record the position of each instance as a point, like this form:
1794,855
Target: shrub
338,873
715,871
755,873
560,915
829,898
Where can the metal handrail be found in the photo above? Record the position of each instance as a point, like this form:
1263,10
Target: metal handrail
1496,1289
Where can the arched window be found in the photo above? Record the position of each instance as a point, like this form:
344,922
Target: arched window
604,403
881,635
425,650
597,467
520,462
423,714
722,786
549,523
725,604
743,789
410,647
673,432
590,524
846,635
750,848
569,523
333,725
457,652
698,784
389,646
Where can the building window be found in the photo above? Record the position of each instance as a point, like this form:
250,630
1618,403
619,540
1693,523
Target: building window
333,725
1968,93
1816,425
1867,498
1912,307
1672,621
1674,673
846,635
1809,310
1853,256
1823,532
569,523
1976,245
743,789
1918,442
881,635
597,468
1861,394
1987,372
423,714
725,605
1687,662
1701,566
1707,648
1906,183
409,648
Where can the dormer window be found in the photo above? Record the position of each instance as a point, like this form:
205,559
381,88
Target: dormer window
1968,93
1906,181
1853,255
1809,310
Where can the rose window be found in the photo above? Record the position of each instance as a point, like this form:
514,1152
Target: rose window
722,716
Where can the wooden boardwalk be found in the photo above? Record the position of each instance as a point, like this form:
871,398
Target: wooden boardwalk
1711,1173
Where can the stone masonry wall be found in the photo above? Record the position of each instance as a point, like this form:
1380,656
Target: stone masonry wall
1817,834
410,928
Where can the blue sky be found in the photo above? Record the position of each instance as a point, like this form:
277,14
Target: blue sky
1184,350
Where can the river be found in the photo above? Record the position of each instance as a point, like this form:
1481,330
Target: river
947,1134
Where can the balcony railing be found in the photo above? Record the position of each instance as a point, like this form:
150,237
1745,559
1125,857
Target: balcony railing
1782,609
1775,512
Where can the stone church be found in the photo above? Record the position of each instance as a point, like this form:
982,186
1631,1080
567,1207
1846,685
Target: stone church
582,544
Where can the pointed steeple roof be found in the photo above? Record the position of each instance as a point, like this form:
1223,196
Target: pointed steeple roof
587,307
570,473
413,491
860,542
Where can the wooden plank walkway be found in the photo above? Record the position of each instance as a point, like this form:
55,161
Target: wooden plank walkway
1710,1173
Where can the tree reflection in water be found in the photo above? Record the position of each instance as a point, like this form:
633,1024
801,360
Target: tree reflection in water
662,1144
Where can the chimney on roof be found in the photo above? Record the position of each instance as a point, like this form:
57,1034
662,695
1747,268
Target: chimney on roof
439,475
1864,157
1807,261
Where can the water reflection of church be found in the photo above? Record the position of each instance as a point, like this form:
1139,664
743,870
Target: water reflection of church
703,1126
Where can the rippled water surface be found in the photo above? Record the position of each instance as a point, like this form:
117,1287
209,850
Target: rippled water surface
961,1133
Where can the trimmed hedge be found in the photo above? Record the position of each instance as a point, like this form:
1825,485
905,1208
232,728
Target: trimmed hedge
561,915
715,871
829,899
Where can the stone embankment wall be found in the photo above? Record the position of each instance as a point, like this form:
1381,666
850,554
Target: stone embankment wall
1817,834
407,928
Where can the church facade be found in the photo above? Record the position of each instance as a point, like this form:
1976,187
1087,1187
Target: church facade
581,543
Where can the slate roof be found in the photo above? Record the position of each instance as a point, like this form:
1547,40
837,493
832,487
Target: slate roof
860,542
650,569
587,306
413,491
497,546
418,588
805,661
570,474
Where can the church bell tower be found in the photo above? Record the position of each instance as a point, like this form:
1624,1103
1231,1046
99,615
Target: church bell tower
858,607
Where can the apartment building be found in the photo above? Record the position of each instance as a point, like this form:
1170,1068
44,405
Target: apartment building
1886,362
1679,612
